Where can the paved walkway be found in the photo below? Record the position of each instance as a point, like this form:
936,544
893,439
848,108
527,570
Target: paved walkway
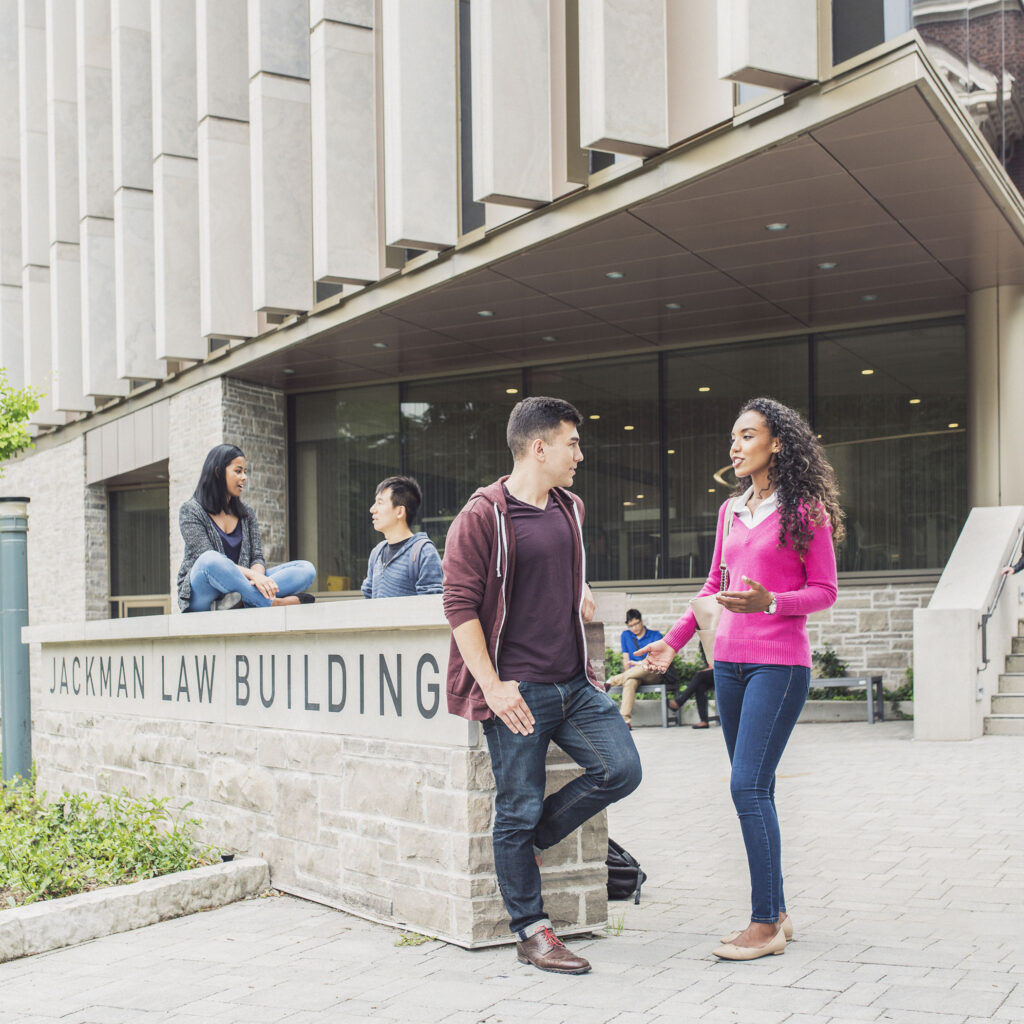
905,879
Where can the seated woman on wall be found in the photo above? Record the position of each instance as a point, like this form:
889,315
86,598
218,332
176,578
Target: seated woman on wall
223,565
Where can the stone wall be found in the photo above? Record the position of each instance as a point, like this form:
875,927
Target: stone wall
68,566
870,625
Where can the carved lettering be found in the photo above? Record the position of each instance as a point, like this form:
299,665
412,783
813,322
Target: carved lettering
332,704
432,688
241,680
395,687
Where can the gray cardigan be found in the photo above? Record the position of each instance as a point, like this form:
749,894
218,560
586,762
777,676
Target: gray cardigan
201,535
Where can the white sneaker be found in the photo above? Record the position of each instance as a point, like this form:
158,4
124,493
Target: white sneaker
232,599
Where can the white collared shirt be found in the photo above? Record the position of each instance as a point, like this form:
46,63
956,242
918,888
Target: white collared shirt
760,514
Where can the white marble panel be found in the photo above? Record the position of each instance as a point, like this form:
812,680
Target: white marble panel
12,356
176,227
95,121
62,122
225,230
99,318
222,59
38,364
134,285
420,123
623,95
282,199
132,94
10,153
344,138
66,328
771,45
511,69
35,220
344,12
174,77
279,37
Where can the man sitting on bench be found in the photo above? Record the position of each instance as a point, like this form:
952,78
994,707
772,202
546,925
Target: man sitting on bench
635,636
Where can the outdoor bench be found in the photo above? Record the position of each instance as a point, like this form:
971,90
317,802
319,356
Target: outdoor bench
871,684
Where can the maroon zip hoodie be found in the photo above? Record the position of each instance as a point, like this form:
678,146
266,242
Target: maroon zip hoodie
479,572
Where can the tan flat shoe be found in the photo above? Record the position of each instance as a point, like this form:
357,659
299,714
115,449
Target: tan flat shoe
787,930
773,947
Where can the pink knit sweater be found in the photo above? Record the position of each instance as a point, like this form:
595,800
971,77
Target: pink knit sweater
800,586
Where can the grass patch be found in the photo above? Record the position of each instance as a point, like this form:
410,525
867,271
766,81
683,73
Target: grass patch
77,843
615,924
412,939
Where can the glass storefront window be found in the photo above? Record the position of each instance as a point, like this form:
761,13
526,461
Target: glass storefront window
140,552
620,478
704,390
453,438
858,25
891,411
345,443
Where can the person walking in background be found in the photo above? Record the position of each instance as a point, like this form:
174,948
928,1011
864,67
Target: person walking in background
780,567
702,682
516,598
634,673
1010,570
224,565
404,563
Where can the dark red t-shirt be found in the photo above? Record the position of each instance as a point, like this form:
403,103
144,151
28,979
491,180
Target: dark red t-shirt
539,639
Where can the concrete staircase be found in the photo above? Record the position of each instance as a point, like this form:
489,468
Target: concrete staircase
1007,718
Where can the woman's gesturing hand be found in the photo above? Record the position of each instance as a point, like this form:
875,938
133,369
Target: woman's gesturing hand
756,599
659,656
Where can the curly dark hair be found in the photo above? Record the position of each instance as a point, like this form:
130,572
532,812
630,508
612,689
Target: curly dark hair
803,477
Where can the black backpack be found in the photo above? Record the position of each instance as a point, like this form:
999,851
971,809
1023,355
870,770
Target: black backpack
625,876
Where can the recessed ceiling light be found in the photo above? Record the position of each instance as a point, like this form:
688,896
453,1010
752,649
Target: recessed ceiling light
827,265
914,401
549,337
628,427
673,305
380,344
288,370
639,497
711,490
615,275
953,426
627,504
866,373
670,451
595,416
868,298
777,225
704,389
511,391
485,312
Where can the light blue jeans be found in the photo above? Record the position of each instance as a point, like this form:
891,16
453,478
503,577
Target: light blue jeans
758,706
213,575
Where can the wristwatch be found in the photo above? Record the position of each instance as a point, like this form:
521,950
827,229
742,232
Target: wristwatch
772,608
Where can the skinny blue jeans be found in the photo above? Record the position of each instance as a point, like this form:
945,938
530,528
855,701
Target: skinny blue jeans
586,724
758,706
213,575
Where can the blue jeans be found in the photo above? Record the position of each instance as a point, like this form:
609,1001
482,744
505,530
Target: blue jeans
758,706
213,575
586,724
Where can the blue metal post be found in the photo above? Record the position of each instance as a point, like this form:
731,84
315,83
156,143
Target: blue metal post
15,689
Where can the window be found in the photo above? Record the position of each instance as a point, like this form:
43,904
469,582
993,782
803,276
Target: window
140,572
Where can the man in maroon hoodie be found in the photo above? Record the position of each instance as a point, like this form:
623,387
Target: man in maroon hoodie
516,597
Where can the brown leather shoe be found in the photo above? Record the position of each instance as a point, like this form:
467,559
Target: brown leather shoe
546,951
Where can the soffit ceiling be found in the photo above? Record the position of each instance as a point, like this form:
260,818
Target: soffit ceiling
882,193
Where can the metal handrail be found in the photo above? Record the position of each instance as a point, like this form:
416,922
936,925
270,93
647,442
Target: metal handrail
985,659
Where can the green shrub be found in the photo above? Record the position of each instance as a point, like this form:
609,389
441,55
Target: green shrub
827,664
78,842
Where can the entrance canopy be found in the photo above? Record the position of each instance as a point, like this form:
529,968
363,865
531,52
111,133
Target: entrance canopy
869,199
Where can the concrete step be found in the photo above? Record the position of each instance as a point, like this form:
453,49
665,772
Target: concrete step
1008,704
1015,663
1018,645
1004,725
1011,682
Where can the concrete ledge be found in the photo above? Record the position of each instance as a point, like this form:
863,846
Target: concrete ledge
52,924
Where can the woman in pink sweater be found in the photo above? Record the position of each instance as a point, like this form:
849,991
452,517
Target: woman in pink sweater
781,567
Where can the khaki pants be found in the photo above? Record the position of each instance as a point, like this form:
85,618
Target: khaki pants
629,681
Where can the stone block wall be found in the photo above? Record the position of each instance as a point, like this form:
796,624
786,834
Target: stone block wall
397,832
68,563
870,626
